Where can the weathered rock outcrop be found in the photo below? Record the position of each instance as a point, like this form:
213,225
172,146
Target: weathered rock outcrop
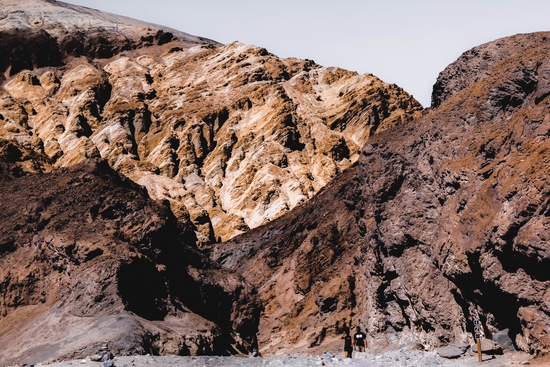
433,223
478,63
87,257
40,33
443,221
225,137
231,136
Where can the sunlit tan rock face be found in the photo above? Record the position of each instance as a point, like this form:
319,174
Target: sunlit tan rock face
231,136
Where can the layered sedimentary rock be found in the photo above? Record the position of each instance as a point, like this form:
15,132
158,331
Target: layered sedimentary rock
232,136
86,257
443,221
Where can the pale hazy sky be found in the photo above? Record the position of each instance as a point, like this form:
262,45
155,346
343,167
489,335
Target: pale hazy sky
406,42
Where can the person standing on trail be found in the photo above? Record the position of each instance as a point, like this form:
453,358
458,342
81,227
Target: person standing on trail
359,340
348,345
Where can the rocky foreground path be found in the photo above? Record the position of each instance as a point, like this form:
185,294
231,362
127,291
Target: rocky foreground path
400,357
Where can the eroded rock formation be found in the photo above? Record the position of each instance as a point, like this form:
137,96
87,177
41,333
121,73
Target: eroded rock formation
226,138
431,224
443,221
232,136
87,257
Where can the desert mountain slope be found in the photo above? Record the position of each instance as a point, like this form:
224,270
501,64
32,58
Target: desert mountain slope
60,19
125,147
443,220
87,257
232,136
38,33
478,63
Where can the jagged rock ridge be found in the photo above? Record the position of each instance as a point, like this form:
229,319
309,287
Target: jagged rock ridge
39,33
443,221
231,136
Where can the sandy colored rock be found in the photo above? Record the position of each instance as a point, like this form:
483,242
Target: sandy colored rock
231,136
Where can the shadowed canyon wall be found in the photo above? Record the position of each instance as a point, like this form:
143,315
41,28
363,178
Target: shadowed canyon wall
443,220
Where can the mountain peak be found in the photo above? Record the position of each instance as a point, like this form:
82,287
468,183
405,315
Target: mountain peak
58,19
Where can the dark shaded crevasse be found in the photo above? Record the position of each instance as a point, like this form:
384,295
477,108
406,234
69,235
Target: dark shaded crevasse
475,290
97,45
142,289
7,247
512,260
27,50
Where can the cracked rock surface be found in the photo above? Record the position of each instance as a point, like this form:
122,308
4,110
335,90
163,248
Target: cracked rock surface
231,136
443,221
290,202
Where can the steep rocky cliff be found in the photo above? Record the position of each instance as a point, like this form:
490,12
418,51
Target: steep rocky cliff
478,63
443,220
432,223
87,257
232,136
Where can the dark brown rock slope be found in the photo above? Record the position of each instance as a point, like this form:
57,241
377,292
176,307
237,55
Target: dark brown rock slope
444,220
87,257
478,63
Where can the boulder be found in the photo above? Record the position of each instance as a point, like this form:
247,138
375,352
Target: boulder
488,347
95,358
452,351
503,339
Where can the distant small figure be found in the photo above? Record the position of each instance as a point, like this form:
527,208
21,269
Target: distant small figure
256,353
348,347
360,340
107,357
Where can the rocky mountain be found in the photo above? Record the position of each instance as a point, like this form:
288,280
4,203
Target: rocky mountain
168,194
40,33
232,136
444,220
86,257
126,147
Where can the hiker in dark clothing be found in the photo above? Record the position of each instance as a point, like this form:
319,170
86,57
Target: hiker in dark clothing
348,345
360,340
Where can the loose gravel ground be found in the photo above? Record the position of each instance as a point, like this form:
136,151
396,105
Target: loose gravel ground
401,357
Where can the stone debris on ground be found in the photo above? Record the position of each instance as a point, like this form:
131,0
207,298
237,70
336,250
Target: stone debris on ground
452,351
400,357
